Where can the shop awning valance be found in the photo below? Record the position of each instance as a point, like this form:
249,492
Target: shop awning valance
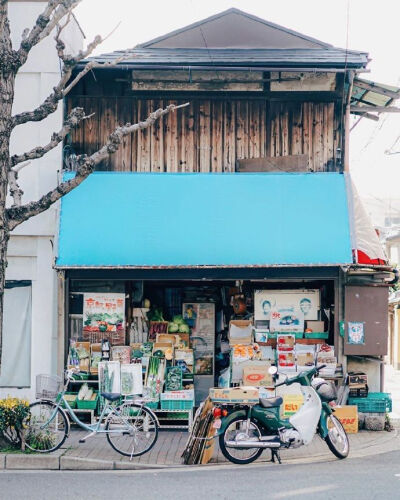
147,220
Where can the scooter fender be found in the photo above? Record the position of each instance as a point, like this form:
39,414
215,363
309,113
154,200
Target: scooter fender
226,421
322,426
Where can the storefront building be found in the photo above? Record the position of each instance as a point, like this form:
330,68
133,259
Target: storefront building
237,207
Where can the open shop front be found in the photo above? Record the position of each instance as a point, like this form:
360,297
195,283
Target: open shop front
173,299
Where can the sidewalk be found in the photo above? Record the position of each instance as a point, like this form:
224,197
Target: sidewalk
392,385
97,454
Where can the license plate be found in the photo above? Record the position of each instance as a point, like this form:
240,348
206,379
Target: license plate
217,423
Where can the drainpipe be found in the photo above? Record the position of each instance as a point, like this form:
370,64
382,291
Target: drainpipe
347,125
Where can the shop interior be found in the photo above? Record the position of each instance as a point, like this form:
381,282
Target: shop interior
183,337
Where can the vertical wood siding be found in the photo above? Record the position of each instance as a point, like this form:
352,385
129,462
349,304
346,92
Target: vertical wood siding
208,135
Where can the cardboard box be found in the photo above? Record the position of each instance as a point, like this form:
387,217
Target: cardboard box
315,326
257,375
240,332
305,361
286,359
291,404
358,380
234,395
348,416
286,342
168,337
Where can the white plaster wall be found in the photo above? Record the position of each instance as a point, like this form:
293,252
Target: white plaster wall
30,252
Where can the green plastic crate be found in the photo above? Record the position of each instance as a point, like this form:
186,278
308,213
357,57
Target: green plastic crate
376,402
72,404
273,335
177,404
316,335
88,405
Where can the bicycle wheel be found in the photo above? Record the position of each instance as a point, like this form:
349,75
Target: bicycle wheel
43,435
132,430
337,439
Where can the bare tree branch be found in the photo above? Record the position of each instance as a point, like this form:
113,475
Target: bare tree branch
76,116
50,104
54,11
15,191
17,215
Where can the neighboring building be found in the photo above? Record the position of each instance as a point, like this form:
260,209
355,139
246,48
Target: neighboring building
30,334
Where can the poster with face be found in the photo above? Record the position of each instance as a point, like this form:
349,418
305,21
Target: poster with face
306,301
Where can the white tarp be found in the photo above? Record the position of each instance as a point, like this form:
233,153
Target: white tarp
366,245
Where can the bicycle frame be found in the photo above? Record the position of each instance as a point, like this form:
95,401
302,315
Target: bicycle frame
92,428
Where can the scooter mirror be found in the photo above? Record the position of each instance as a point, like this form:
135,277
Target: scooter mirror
272,370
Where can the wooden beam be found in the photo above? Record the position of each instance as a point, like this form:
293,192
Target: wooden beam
374,109
376,88
365,115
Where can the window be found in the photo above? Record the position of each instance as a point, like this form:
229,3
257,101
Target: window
16,356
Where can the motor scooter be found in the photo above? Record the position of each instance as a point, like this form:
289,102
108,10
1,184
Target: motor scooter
245,430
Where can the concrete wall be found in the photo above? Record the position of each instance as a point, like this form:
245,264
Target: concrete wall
30,253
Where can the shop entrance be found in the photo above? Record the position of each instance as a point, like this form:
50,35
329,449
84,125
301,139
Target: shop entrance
217,331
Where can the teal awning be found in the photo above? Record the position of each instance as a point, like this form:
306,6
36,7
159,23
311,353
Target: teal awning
145,220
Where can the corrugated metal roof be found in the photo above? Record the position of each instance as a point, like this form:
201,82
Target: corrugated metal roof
213,220
226,16
324,57
369,93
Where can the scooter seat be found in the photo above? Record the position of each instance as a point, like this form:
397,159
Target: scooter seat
271,402
110,396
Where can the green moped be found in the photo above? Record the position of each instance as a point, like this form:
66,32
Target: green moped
246,430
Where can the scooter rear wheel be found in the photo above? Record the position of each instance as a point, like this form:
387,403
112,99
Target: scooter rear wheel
237,430
337,439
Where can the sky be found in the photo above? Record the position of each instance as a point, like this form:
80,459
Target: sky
365,25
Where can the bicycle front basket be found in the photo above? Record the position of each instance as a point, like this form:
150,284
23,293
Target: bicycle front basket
48,386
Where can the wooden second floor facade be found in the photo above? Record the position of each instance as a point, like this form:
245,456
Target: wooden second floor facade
210,135
256,91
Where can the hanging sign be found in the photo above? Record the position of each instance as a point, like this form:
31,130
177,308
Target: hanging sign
103,312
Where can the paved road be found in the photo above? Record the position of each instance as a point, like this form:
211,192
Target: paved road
368,478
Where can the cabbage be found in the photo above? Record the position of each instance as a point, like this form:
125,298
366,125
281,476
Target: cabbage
173,327
178,319
184,328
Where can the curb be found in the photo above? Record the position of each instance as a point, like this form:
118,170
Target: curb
60,461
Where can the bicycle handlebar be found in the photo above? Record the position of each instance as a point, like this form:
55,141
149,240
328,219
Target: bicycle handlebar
293,380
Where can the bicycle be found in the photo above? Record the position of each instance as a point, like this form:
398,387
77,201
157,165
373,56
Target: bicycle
131,428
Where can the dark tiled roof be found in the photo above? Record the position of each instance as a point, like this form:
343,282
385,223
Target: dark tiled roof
329,57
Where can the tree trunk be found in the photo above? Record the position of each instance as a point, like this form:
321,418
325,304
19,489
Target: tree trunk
7,81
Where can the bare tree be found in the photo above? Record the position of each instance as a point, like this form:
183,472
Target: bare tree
54,18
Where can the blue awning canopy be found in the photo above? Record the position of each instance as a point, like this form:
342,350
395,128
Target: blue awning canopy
143,220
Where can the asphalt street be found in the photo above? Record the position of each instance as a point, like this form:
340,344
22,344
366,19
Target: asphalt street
367,478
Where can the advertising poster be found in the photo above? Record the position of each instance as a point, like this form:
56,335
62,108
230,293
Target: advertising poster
289,319
356,333
103,312
307,301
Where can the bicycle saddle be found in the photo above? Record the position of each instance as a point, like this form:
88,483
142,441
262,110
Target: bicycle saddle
110,396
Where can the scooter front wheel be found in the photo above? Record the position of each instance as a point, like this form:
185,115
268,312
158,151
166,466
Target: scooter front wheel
337,439
240,430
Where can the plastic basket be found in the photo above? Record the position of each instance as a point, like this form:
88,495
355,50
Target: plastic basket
72,403
177,404
48,386
376,402
87,405
316,335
